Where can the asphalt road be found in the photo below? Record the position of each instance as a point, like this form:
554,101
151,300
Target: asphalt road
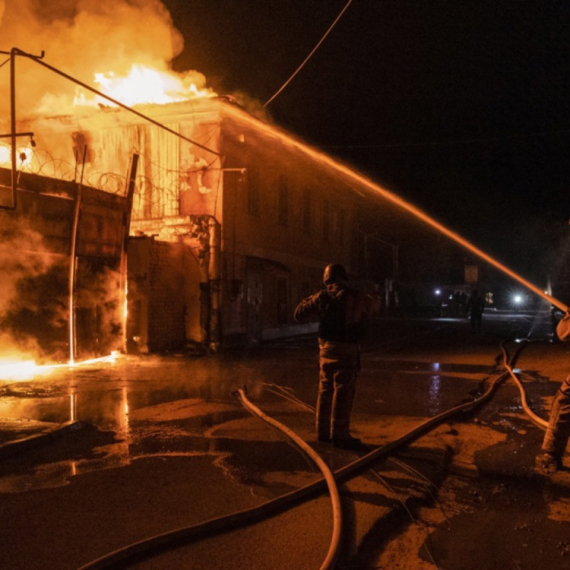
164,444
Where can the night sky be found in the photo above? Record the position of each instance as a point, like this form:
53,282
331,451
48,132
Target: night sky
460,106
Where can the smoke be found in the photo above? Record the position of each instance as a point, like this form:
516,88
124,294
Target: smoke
19,349
253,106
23,257
81,38
17,236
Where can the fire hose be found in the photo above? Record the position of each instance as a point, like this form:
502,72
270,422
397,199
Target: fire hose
536,420
332,553
178,537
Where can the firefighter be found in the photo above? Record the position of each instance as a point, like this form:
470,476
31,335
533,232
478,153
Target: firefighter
343,314
558,430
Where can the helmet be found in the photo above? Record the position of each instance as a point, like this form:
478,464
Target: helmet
334,273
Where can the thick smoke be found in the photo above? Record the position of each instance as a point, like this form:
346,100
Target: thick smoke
81,38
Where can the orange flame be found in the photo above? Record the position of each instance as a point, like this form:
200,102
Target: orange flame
144,84
21,370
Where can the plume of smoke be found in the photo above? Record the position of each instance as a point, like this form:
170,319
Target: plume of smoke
82,38
253,106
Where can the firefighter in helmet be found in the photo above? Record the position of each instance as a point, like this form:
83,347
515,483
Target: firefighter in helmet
343,315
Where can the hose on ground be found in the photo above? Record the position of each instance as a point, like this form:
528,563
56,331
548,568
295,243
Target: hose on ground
332,554
178,537
508,364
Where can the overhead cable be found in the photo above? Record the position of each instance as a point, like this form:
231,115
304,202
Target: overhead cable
311,54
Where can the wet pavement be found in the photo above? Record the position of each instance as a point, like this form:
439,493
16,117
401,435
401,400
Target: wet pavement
161,443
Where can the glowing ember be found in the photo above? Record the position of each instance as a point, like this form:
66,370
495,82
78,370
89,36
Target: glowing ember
146,85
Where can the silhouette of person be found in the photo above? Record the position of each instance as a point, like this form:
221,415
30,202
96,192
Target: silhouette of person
343,314
475,307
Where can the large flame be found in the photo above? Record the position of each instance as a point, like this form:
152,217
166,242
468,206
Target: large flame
143,84
123,48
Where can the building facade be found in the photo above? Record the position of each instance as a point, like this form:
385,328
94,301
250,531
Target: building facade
232,220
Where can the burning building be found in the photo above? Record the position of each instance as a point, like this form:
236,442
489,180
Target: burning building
62,290
232,221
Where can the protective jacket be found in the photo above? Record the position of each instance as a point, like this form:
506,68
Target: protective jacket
343,313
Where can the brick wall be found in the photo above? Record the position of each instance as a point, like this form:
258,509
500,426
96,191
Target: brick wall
166,301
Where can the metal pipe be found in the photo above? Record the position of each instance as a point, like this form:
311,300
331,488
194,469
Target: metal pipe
73,264
13,125
126,226
9,135
214,248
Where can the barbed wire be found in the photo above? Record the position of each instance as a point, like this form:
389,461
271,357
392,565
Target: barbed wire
157,189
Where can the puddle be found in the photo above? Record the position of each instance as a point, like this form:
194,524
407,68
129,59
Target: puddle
405,394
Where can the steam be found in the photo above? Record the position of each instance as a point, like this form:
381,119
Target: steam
18,237
30,261
83,38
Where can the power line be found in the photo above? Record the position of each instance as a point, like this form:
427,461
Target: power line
311,54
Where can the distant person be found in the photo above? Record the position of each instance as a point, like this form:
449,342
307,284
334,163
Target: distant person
462,301
558,430
475,307
343,314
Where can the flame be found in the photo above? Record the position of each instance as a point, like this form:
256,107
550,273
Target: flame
24,156
5,154
20,370
144,84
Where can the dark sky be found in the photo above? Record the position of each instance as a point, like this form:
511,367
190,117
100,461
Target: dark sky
460,106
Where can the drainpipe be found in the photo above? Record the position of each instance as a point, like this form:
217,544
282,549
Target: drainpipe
124,244
13,123
205,308
214,233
